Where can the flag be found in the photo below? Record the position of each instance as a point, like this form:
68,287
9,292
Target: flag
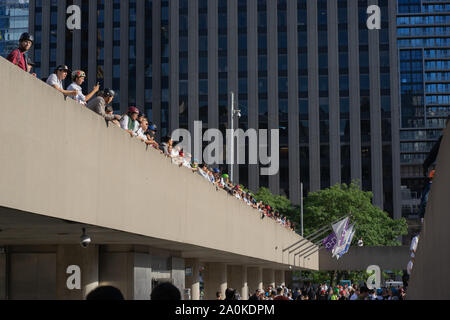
339,228
348,244
343,248
330,242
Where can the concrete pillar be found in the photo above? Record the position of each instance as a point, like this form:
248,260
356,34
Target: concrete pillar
215,280
269,278
87,261
244,283
237,279
2,274
280,278
177,274
255,279
193,279
288,279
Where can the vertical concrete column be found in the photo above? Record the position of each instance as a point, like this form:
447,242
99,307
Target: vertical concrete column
215,280
255,279
237,279
193,280
288,278
280,278
244,283
2,274
87,261
269,278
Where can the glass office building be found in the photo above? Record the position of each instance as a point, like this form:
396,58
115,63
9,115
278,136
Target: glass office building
13,22
310,68
424,45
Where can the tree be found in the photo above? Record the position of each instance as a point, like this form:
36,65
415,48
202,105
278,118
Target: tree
279,203
372,224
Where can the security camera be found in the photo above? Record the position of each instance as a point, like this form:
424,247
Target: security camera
85,240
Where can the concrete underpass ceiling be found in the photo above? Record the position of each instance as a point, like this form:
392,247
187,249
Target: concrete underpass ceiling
22,228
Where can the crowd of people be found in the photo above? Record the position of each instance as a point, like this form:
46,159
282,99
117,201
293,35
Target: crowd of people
137,125
325,293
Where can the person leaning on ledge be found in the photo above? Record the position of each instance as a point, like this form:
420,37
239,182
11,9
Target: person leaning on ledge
17,56
98,105
57,78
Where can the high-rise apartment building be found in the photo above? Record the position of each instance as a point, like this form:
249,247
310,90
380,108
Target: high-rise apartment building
13,22
424,45
310,68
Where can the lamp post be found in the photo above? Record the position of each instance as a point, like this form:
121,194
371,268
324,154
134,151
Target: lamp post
234,112
301,207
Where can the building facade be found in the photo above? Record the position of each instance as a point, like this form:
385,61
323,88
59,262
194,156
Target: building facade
424,45
310,68
13,22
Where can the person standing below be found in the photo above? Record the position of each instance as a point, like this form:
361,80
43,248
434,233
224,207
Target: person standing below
413,247
78,78
17,56
57,78
280,295
410,266
98,105
360,242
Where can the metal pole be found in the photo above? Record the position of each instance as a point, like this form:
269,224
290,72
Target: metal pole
301,207
232,140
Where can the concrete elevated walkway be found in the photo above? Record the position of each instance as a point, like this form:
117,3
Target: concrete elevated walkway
359,258
62,168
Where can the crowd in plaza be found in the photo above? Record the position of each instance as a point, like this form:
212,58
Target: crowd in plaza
319,293
137,125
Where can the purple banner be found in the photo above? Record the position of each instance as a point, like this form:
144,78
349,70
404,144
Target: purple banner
330,242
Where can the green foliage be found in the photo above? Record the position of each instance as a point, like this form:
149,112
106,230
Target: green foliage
372,224
325,206
279,203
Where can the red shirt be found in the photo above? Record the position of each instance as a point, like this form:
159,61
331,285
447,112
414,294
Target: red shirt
283,298
18,58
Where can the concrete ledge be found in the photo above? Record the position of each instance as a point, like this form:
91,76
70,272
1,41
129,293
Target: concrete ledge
359,258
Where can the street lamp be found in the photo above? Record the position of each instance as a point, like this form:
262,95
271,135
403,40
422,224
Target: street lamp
233,112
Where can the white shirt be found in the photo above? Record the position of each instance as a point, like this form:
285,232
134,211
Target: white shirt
140,134
409,267
203,173
53,80
414,243
80,98
354,297
124,124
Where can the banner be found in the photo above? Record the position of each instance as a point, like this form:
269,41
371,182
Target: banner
348,241
339,229
335,237
330,242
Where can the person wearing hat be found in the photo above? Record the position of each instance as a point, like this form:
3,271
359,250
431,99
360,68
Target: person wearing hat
17,56
129,121
98,104
57,78
151,135
30,66
78,78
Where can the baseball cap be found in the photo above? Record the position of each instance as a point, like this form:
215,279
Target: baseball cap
62,67
30,62
133,110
